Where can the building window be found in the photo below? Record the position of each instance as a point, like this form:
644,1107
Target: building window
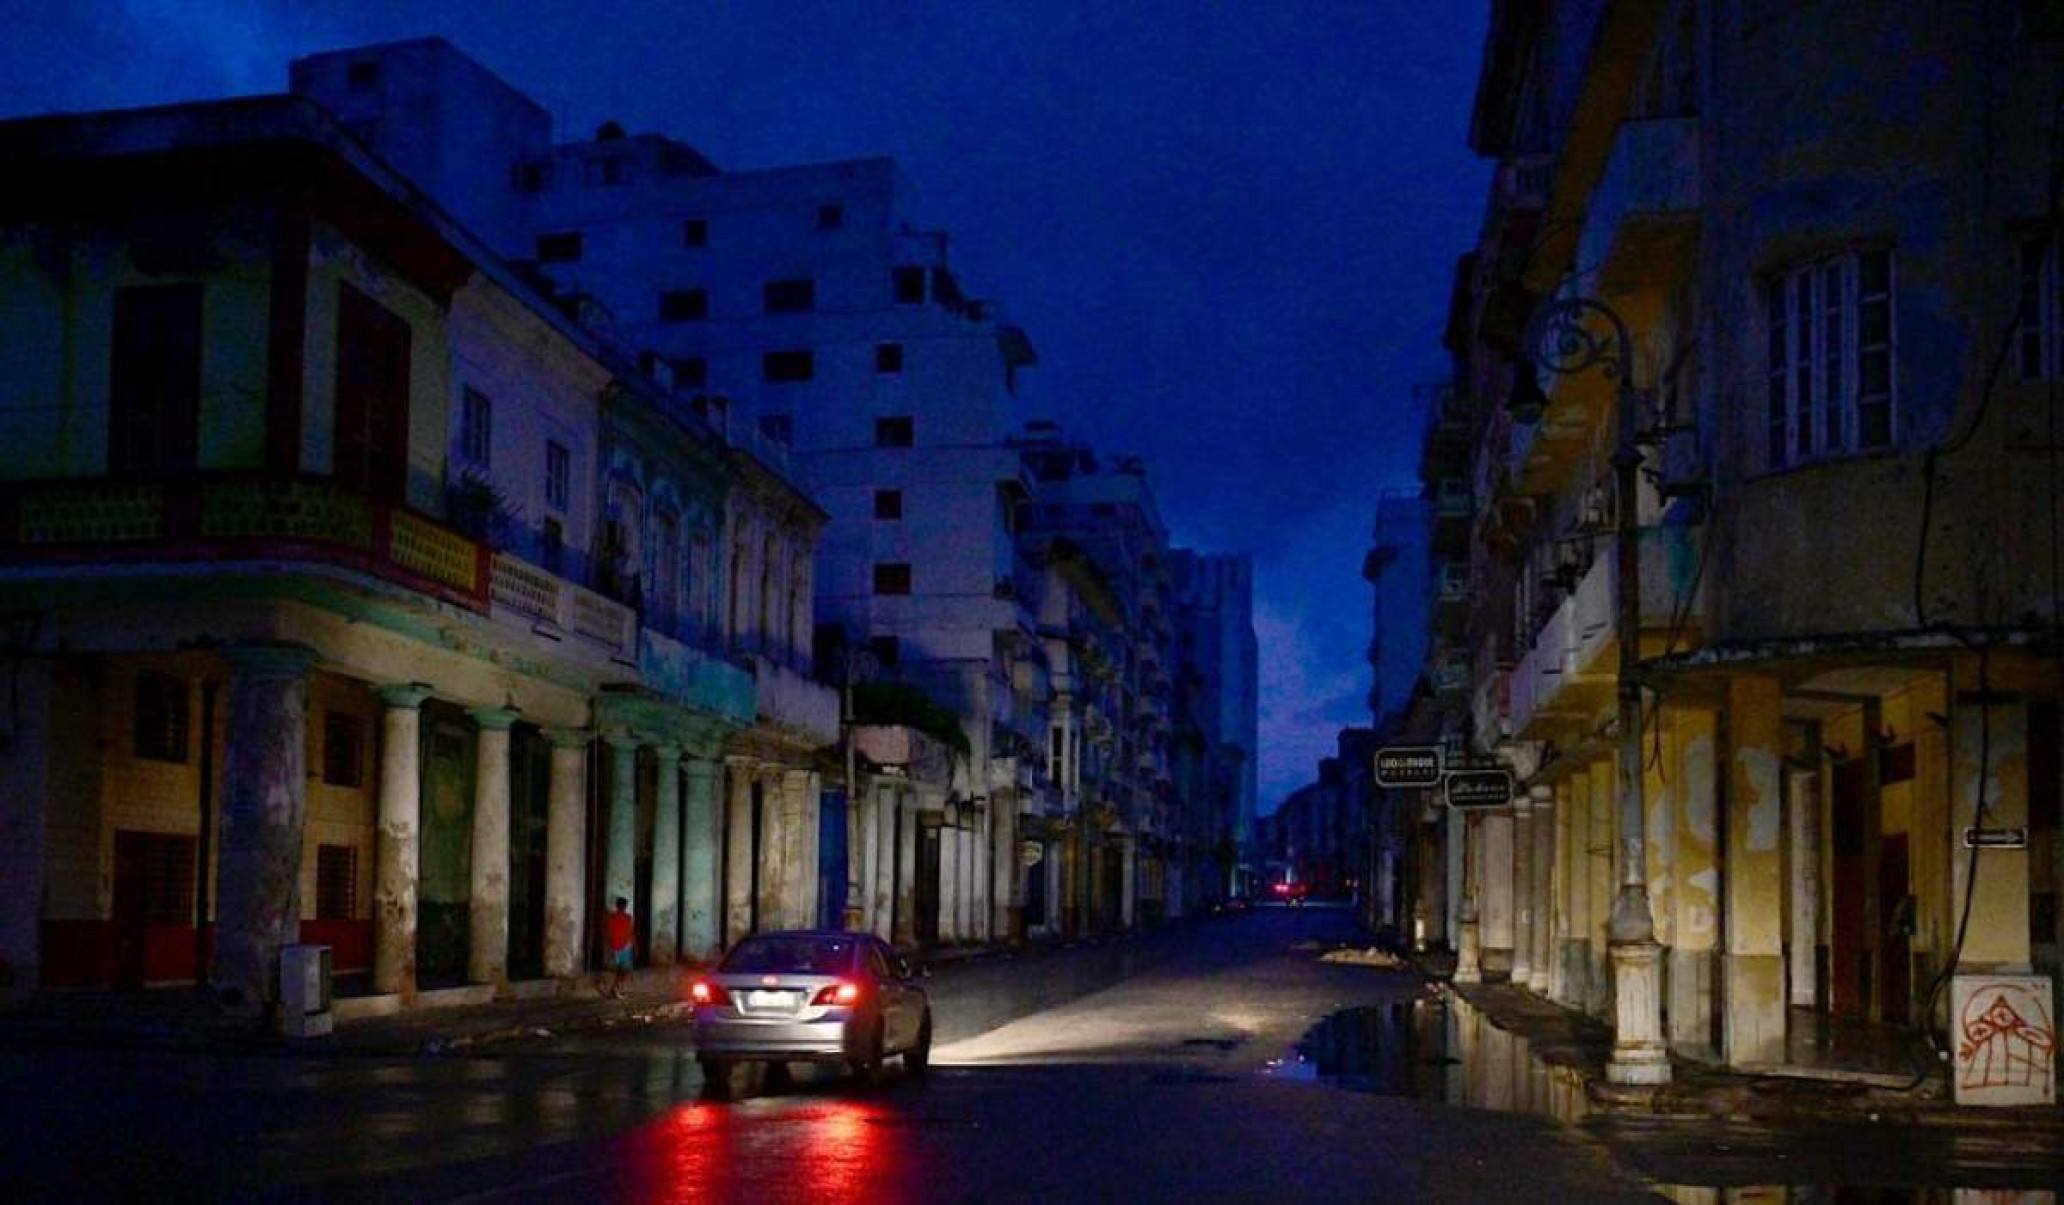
888,358
888,504
530,177
160,719
910,285
830,217
558,475
898,432
161,865
343,761
476,428
552,545
607,171
892,578
683,305
154,383
372,396
336,882
695,232
788,366
561,248
2039,352
1829,380
691,372
789,296
779,428
362,75
887,651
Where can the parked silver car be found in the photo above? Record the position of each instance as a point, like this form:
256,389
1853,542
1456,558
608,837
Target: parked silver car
810,997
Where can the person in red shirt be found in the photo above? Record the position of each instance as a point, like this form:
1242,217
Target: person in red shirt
621,933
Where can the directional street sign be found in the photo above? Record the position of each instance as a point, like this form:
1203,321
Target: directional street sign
1996,838
1479,788
1408,766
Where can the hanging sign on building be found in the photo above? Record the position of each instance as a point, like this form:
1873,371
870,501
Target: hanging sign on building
1996,838
1408,766
1479,788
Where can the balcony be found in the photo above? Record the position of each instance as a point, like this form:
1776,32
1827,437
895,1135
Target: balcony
1642,222
695,677
214,521
521,592
801,707
1569,672
1450,676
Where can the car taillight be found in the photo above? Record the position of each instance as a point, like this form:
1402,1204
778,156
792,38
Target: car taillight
705,992
838,993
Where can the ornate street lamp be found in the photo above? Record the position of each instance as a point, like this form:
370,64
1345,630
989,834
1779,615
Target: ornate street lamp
1564,339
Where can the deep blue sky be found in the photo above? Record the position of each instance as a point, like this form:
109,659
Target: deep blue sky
1229,228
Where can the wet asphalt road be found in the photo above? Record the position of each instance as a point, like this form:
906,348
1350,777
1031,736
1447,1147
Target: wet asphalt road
1161,1068
1168,1083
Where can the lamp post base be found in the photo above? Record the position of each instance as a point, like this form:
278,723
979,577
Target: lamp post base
1639,1054
1468,954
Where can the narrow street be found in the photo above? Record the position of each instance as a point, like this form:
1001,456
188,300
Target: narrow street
1177,1080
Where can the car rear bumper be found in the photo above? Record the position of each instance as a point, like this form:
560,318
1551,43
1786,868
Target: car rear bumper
740,1037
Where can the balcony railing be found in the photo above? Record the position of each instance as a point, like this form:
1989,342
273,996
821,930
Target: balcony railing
235,518
788,700
547,598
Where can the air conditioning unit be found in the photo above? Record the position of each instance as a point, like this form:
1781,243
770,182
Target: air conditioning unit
304,991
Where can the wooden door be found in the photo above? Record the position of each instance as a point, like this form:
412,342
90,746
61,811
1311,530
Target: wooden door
1849,953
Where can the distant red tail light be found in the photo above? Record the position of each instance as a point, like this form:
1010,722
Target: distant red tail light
705,992
838,993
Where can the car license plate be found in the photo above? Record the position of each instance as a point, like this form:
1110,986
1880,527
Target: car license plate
771,1001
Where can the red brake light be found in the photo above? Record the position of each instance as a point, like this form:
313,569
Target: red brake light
838,993
705,992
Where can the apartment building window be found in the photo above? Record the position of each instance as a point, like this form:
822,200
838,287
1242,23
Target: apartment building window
830,217
476,428
343,763
362,76
788,366
154,383
1830,387
336,882
160,719
899,432
892,577
558,475
561,248
552,545
161,866
372,410
695,232
2039,345
888,504
910,285
789,296
888,358
683,305
778,428
608,171
691,372
530,177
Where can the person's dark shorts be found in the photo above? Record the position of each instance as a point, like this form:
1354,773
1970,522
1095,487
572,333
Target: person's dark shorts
621,959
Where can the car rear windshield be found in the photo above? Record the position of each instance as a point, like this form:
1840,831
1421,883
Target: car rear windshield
796,955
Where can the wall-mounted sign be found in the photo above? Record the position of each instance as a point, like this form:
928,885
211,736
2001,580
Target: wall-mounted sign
1479,788
1408,766
1996,838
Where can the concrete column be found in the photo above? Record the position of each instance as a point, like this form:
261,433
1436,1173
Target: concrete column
26,747
664,912
1802,874
949,884
805,791
1558,894
264,817
981,891
1694,934
1468,924
738,859
700,906
882,904
1494,897
1753,1030
566,861
398,851
768,901
1539,967
905,875
620,867
1522,890
1599,878
862,836
487,903
1128,879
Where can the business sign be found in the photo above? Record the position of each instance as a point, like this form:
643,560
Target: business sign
1408,766
1996,838
1479,788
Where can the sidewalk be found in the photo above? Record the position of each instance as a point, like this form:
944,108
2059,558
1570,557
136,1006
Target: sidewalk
1572,1048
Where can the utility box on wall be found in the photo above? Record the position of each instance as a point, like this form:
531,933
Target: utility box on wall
2003,1040
304,991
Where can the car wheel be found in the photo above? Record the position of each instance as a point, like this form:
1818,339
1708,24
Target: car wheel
717,1077
867,1068
918,1059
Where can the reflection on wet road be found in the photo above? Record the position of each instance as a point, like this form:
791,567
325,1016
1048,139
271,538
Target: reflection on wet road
1218,1061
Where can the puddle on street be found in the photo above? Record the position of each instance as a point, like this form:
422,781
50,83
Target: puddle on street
1445,1051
